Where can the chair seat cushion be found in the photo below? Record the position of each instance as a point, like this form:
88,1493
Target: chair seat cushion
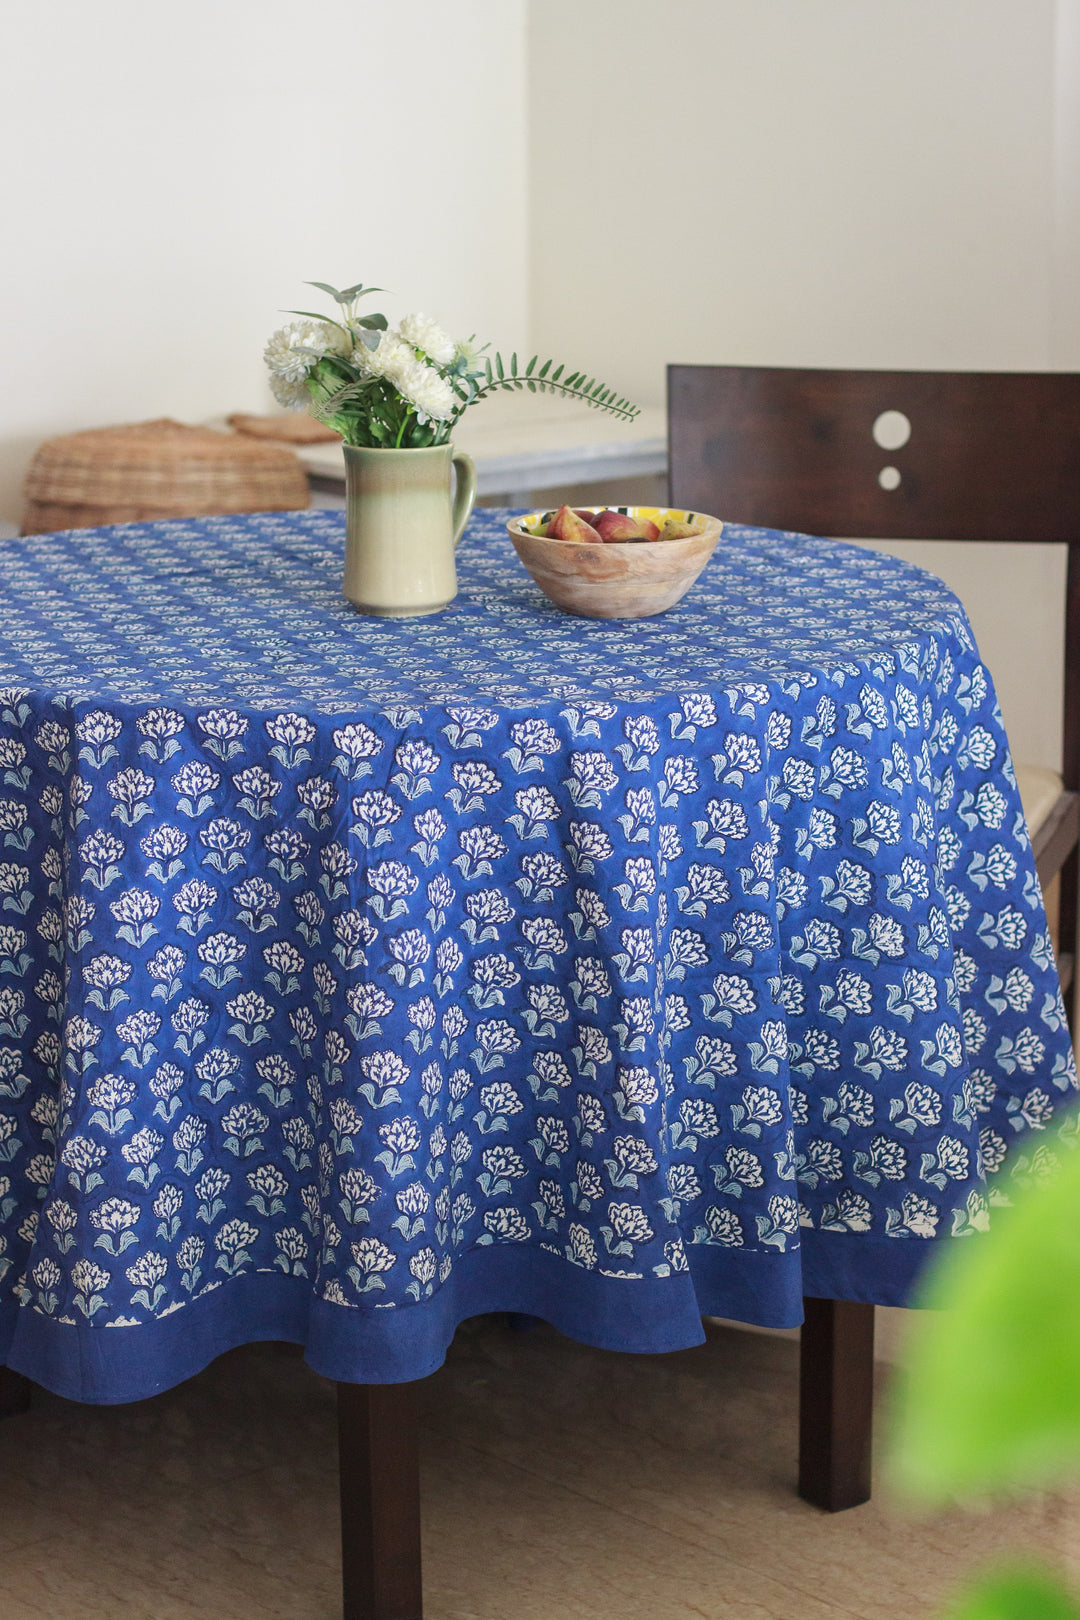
1040,789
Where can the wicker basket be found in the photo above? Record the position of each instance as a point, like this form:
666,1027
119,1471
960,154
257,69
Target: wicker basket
296,428
156,470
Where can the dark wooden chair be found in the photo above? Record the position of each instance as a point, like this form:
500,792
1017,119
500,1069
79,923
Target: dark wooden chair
989,457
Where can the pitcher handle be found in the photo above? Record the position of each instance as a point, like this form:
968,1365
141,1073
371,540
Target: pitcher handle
464,492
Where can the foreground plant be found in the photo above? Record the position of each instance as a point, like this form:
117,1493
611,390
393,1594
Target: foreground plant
990,1399
402,388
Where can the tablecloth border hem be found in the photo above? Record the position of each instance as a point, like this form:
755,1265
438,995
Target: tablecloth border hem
110,1366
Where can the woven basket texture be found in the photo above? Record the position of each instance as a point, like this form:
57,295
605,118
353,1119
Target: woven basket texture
296,428
160,469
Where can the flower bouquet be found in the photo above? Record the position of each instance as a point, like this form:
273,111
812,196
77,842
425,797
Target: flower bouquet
395,395
402,388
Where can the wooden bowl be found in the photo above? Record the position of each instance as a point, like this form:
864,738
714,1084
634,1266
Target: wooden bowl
627,579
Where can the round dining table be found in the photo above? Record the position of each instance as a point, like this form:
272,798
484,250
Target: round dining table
362,975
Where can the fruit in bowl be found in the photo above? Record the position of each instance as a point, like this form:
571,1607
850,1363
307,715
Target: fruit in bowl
589,524
626,562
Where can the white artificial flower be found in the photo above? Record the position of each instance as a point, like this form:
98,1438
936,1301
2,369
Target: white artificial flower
389,357
293,353
360,357
292,396
428,336
468,359
396,362
294,350
423,387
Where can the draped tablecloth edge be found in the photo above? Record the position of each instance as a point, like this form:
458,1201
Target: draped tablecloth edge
645,1316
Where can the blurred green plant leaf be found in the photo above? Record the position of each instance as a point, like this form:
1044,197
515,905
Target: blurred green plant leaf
990,1395
1015,1594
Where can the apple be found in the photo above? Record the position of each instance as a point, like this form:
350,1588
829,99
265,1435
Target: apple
567,525
615,526
676,529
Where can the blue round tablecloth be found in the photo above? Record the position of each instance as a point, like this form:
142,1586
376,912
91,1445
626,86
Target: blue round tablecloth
358,976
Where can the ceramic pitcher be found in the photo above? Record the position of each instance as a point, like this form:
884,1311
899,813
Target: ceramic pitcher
402,528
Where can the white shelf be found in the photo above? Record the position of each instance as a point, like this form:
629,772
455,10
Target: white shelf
533,442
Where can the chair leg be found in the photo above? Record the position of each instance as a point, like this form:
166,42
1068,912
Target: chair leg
380,1502
836,1394
14,1392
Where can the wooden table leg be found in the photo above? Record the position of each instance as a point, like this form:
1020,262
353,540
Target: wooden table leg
836,1397
519,1322
380,1502
14,1392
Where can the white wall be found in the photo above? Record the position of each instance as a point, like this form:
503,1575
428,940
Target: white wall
821,183
792,182
1065,308
171,176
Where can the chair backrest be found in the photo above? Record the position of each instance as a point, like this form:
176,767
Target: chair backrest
990,456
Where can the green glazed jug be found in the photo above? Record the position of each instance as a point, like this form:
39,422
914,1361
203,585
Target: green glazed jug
402,528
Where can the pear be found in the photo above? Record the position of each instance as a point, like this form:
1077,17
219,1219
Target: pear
614,526
567,525
676,529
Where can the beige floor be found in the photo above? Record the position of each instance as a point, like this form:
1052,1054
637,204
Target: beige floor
560,1483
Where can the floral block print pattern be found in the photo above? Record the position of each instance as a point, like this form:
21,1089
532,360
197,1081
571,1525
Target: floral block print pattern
357,975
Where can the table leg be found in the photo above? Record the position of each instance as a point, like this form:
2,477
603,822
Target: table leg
380,1502
836,1395
14,1392
519,1322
